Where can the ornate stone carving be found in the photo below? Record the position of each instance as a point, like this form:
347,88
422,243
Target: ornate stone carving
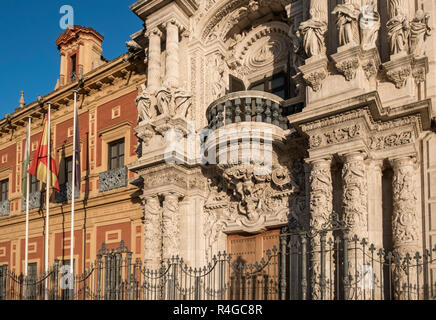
404,221
399,76
355,204
173,102
217,80
313,32
152,233
369,25
343,134
170,225
348,68
419,32
315,79
144,105
321,207
112,179
398,26
347,23
370,62
392,140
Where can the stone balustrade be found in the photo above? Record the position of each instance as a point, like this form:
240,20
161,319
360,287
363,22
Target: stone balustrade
112,179
250,106
5,208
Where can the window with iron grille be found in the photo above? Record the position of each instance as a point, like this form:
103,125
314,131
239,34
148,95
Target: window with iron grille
4,190
116,154
32,274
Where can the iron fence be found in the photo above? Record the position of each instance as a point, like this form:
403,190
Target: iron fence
325,265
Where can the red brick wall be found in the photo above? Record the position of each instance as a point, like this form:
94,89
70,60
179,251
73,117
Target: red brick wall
5,253
125,235
38,254
62,247
11,162
128,112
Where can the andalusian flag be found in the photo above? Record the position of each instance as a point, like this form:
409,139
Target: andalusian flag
38,167
26,162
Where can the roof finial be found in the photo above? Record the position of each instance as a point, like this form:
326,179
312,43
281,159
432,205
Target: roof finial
22,101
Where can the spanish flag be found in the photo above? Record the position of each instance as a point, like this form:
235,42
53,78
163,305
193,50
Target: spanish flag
38,167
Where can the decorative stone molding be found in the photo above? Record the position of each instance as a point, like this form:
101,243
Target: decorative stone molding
355,206
420,68
152,233
371,62
112,179
338,135
170,225
399,69
347,60
404,220
315,72
392,140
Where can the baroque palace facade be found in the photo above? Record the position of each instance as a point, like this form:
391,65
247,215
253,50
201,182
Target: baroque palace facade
337,93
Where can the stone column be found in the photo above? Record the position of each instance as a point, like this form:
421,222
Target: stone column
355,213
405,226
152,233
154,60
170,225
172,56
321,206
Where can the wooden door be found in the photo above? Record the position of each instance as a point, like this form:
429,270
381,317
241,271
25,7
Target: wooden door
249,278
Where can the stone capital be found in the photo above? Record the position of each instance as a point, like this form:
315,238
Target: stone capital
154,32
320,162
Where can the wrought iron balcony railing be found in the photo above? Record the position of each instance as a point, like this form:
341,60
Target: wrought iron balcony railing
34,201
5,208
112,179
65,193
250,106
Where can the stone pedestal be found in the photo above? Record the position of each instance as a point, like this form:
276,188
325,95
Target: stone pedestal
348,60
315,72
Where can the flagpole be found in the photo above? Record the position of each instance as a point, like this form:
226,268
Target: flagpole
73,188
26,255
47,198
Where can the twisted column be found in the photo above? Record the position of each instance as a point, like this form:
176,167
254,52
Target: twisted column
405,228
172,56
321,205
154,60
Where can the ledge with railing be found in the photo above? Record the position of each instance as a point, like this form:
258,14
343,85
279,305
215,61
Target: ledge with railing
250,106
5,208
112,179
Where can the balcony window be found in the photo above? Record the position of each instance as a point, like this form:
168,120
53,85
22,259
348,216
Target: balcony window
34,184
276,84
116,154
66,183
4,190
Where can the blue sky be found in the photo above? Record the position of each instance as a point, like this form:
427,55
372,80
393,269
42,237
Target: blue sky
29,59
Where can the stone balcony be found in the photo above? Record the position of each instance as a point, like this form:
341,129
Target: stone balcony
112,179
250,106
5,208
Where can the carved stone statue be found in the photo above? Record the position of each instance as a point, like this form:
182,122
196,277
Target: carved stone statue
398,30
298,54
217,77
143,103
313,31
347,23
173,102
419,32
369,26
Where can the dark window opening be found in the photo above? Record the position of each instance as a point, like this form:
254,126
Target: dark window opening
116,154
236,84
34,184
69,170
4,190
73,68
277,84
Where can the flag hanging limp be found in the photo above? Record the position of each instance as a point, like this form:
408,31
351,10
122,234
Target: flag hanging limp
38,167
